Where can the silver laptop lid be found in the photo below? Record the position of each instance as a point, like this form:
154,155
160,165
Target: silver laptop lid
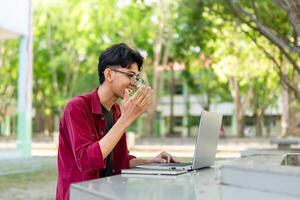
207,139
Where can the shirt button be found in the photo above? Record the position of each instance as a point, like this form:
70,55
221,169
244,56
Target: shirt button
102,118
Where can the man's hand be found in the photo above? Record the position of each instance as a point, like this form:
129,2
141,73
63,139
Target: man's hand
164,157
133,106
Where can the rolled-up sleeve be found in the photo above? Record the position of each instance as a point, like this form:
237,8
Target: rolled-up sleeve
130,157
86,150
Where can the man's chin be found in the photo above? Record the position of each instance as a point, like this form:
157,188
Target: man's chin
121,96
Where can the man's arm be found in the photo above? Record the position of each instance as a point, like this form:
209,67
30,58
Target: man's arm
109,141
131,108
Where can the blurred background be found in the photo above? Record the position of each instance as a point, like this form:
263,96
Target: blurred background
235,57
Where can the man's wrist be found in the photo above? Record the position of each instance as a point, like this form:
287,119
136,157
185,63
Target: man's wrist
123,122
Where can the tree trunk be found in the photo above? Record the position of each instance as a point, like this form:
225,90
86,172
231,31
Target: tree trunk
290,118
208,102
240,121
162,10
239,111
294,128
171,88
259,123
285,113
151,111
49,125
38,125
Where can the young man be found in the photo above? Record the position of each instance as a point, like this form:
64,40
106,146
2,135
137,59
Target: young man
92,140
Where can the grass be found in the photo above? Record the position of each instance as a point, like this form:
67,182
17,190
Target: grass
39,184
24,180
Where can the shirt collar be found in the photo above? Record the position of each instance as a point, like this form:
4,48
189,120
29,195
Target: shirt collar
95,103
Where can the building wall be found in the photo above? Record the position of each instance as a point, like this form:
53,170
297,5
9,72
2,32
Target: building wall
272,126
269,129
14,18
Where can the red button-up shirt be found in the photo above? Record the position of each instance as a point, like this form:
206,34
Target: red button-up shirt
79,154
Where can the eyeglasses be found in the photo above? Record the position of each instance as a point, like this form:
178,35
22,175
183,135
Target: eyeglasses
134,78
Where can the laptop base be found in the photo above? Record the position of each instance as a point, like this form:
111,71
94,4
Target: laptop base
167,166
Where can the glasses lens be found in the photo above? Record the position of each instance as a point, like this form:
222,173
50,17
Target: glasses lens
139,81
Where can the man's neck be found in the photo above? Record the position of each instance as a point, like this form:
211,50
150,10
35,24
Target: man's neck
107,99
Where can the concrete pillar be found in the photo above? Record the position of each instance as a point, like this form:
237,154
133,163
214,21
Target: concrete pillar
24,128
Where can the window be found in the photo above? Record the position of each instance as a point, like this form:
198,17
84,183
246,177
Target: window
227,120
178,89
177,121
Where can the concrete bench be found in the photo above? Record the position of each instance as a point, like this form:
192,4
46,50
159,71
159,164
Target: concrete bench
284,143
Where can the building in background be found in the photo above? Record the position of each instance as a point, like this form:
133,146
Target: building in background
16,23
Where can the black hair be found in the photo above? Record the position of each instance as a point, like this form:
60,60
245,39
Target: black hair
118,55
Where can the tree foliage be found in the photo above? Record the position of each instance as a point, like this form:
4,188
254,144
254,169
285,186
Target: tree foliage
229,49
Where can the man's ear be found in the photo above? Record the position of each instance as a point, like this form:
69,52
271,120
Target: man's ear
108,75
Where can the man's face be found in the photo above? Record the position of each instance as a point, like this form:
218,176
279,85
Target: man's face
124,79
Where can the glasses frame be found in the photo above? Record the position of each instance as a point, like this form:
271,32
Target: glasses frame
134,78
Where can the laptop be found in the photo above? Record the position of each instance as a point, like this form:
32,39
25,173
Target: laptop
205,145
139,171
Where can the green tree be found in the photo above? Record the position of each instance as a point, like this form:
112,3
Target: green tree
278,22
67,46
240,63
192,31
8,76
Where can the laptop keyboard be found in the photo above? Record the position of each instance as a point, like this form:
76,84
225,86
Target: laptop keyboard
176,164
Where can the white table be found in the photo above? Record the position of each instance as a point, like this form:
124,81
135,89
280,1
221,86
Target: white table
201,184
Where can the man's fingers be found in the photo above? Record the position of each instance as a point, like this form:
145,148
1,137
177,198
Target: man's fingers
165,156
174,159
126,95
138,93
144,94
148,95
145,101
168,158
158,160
